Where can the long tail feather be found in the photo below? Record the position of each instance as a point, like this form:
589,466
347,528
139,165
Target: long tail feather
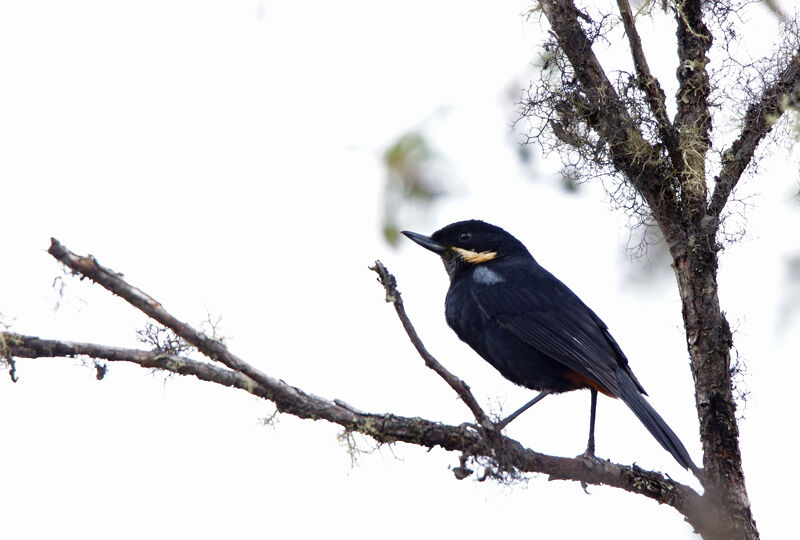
656,425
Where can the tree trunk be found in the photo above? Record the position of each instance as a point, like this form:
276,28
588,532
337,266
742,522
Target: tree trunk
709,341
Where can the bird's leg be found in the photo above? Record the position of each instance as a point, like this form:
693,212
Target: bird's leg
503,423
592,415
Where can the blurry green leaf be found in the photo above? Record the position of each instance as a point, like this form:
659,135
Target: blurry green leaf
391,232
409,180
569,180
407,162
411,147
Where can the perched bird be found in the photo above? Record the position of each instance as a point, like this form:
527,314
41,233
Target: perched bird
532,328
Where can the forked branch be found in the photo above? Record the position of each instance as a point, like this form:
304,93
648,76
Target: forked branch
631,153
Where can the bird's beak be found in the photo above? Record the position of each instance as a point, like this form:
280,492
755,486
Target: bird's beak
425,241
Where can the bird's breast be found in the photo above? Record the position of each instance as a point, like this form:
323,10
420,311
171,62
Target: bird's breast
515,359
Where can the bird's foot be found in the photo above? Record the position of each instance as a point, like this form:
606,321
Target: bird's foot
588,455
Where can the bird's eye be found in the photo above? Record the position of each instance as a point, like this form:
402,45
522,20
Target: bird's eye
465,236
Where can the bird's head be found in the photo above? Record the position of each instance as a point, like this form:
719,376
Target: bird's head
466,244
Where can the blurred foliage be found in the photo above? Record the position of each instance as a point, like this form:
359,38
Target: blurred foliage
409,181
569,180
790,294
775,8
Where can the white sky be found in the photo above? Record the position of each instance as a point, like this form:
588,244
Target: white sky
226,157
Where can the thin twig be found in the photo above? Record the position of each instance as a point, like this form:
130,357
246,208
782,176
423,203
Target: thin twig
462,389
112,281
34,347
651,86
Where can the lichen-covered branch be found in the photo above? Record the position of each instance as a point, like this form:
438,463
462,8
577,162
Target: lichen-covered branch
758,121
642,164
656,100
693,118
386,428
286,397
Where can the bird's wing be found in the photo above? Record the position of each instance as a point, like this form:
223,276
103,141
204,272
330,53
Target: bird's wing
549,317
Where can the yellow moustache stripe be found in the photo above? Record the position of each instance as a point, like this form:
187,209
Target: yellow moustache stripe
474,257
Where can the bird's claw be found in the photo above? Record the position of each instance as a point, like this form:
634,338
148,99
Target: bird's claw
588,455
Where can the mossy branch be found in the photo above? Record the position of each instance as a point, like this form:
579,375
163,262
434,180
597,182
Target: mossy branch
759,119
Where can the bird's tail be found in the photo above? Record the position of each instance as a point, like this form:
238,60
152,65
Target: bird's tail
656,425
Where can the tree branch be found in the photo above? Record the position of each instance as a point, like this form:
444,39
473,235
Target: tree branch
693,119
676,191
652,88
631,154
393,296
613,120
34,347
387,428
113,282
504,455
286,397
758,121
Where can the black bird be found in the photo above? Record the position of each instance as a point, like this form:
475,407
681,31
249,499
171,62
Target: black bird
532,328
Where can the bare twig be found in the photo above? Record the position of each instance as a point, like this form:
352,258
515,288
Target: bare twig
34,347
462,389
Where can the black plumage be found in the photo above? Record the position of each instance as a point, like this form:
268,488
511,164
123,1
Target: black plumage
532,328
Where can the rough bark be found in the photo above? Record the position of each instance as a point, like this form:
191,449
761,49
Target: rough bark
693,119
709,342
